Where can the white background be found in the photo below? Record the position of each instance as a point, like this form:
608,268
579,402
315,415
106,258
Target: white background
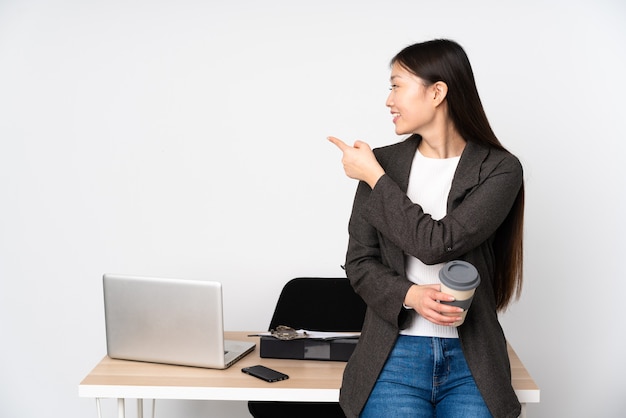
187,139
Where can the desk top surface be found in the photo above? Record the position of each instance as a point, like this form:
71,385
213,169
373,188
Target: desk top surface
309,380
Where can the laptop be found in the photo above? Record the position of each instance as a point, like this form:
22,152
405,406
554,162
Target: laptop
169,321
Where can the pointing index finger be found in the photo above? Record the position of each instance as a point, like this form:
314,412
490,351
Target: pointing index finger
339,143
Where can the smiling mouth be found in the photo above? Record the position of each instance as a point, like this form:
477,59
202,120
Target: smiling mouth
395,117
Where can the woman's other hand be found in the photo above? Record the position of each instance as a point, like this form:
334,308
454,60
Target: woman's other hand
425,299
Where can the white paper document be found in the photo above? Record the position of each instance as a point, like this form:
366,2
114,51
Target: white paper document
316,335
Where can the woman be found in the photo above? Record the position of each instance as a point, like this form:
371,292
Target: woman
449,191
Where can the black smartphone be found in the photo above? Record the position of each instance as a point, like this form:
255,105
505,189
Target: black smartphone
265,373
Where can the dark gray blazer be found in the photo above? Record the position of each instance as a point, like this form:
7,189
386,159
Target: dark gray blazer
385,225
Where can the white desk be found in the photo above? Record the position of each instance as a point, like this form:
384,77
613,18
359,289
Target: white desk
309,380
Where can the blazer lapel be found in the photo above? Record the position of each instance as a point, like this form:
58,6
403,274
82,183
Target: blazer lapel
400,169
467,174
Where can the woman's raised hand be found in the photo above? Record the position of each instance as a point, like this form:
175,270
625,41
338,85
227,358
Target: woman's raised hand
359,161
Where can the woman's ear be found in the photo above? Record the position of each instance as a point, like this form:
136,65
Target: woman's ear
440,91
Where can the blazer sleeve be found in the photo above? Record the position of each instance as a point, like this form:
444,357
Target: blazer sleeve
473,219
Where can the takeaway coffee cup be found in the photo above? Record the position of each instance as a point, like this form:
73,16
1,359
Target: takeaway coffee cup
459,279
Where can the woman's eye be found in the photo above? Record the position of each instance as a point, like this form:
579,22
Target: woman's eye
393,87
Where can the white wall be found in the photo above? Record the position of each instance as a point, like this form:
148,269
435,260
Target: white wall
187,139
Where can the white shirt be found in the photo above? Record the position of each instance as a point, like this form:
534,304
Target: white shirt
429,185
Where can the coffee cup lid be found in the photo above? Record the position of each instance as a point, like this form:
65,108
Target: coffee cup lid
459,275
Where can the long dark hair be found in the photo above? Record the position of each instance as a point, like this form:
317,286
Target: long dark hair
446,61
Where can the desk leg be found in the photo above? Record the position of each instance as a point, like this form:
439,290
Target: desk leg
139,408
121,413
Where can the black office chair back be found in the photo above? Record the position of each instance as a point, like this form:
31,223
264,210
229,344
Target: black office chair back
316,304
319,304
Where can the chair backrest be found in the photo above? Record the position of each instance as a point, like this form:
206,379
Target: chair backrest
319,304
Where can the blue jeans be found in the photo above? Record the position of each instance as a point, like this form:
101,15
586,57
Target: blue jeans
425,377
